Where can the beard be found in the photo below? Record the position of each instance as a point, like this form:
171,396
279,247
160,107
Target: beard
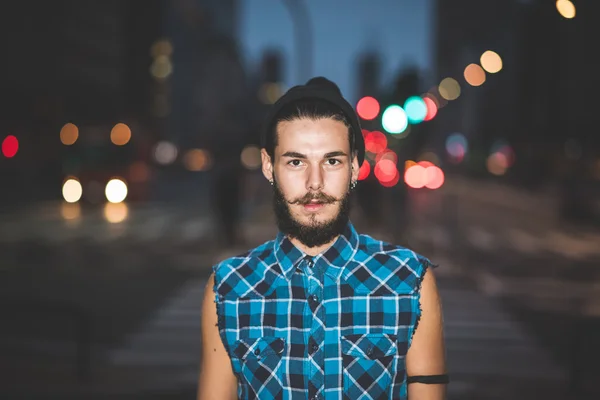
315,233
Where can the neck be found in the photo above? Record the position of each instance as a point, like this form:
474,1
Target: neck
312,251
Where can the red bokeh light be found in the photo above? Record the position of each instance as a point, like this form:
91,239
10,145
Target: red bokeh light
10,146
435,177
424,174
385,170
367,108
392,182
415,176
387,154
364,171
432,108
375,142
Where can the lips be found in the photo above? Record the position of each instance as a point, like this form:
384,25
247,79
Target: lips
313,206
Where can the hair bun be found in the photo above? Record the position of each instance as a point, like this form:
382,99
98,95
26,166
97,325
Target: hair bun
323,83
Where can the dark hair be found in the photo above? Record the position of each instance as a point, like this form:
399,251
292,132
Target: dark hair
313,109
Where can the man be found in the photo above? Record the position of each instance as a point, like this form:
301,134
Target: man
320,312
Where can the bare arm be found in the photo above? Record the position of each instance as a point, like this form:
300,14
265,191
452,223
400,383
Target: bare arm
427,354
217,381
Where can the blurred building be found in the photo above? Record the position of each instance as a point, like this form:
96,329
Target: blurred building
98,63
542,97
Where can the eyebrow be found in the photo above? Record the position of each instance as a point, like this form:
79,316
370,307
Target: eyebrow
294,154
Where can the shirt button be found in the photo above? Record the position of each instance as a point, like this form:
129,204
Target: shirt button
310,263
314,348
314,298
257,351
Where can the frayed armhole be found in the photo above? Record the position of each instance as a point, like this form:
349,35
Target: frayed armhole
425,266
219,308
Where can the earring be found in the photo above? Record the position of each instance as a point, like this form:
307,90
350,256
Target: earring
353,185
271,182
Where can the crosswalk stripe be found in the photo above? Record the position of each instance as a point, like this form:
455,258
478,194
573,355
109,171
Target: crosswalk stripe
481,339
171,336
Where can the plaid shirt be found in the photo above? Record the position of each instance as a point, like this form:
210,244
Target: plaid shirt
334,326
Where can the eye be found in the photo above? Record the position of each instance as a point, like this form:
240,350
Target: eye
333,161
295,163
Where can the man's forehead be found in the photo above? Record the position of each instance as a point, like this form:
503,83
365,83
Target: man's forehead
322,130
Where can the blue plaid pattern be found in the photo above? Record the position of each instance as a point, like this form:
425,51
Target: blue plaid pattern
334,326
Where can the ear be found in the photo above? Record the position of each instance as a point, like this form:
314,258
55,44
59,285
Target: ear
267,165
355,167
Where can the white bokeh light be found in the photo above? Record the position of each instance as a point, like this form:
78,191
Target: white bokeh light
116,191
72,191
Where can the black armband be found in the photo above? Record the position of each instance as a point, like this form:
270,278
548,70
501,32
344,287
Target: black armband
428,379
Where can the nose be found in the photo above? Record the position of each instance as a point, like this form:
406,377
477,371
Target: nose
315,178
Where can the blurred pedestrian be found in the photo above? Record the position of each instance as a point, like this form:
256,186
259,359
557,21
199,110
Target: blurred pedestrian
320,311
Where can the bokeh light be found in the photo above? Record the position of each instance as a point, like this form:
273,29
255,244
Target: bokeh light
434,177
414,176
165,152
161,67
566,8
392,182
72,190
250,157
120,134
416,109
449,89
116,191
364,171
497,163
501,146
115,212
432,107
10,146
367,108
491,61
375,142
162,47
457,147
474,75
423,174
197,160
394,119
385,171
69,134
387,154
139,172
70,211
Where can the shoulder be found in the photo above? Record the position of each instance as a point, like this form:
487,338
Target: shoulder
399,268
241,274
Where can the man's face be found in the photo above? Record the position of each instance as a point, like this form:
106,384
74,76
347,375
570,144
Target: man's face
312,171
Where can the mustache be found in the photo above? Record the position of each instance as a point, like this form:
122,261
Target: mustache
310,197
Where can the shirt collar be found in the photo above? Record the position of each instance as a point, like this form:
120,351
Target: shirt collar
335,258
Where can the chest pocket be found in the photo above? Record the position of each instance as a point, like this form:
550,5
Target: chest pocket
258,364
370,364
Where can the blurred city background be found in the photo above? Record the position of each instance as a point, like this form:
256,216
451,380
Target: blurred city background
130,165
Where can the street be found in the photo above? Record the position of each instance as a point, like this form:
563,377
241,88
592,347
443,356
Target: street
506,276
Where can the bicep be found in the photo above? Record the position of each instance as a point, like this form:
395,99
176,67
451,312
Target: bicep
427,354
217,380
